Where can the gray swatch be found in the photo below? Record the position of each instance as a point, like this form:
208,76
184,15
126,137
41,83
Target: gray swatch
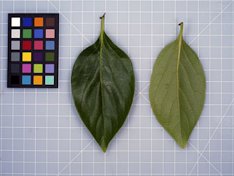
15,56
15,45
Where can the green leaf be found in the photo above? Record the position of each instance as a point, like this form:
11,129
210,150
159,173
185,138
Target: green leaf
177,89
103,86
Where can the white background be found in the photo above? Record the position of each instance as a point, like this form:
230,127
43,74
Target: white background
41,133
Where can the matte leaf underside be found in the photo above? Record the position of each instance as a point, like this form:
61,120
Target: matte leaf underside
177,89
103,87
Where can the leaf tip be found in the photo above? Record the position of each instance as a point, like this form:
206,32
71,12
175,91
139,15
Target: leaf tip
103,144
104,149
182,144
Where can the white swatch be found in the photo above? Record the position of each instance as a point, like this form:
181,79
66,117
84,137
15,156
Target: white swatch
15,22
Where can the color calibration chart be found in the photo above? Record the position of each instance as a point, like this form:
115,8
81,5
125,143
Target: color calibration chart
33,50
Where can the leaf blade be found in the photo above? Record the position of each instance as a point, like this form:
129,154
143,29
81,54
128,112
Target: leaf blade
103,85
177,94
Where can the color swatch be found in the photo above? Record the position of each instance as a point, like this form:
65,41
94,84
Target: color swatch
33,50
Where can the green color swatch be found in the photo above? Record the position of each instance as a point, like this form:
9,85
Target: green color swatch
27,33
49,56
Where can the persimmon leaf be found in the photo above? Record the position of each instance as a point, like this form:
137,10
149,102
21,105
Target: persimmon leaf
177,89
103,86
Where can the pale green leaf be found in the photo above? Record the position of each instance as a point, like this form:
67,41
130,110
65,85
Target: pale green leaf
177,89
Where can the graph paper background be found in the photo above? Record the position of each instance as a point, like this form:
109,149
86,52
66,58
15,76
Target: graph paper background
41,133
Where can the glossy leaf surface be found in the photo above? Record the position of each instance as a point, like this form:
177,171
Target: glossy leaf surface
103,87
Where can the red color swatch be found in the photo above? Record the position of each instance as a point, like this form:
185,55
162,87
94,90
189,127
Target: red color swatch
27,45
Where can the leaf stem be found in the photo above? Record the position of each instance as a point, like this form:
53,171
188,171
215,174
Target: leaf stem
102,26
181,24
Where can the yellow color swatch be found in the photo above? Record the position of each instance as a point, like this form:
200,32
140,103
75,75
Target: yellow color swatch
26,56
37,80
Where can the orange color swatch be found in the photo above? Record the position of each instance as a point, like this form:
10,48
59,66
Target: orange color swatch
38,21
37,80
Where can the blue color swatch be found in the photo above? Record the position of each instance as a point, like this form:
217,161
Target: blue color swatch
49,45
38,33
27,22
26,80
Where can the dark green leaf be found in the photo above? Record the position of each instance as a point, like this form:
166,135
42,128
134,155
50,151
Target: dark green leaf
177,89
103,87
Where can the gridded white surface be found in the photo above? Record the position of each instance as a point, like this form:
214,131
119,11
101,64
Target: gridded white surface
41,133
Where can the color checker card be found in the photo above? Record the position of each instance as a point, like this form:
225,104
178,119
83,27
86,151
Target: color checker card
33,41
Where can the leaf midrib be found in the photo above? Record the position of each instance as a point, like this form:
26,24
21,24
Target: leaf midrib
180,38
101,76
